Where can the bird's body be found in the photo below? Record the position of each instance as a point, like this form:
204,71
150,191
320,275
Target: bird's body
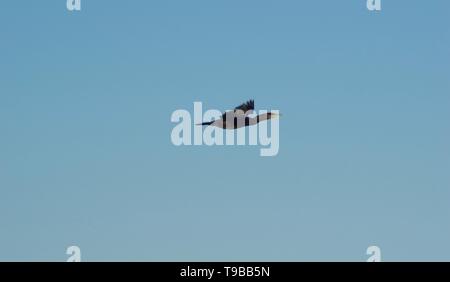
239,117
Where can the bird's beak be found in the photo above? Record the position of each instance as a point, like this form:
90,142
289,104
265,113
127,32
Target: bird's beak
275,115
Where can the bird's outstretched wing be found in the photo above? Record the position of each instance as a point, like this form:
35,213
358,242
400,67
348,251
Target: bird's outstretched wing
240,111
246,107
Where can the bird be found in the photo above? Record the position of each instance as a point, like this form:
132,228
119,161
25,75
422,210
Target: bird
239,117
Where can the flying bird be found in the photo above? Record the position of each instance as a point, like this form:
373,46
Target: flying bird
239,117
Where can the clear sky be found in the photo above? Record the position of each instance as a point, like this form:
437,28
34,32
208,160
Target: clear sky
85,151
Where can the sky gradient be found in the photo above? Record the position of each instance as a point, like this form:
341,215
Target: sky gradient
85,152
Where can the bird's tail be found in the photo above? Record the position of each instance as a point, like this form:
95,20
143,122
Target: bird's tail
205,123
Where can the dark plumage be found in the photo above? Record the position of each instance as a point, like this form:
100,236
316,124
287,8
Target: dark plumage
247,106
239,117
244,108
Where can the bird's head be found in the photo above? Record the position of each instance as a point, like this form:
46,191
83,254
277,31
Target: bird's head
272,115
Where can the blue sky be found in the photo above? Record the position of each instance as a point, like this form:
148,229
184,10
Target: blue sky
85,152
